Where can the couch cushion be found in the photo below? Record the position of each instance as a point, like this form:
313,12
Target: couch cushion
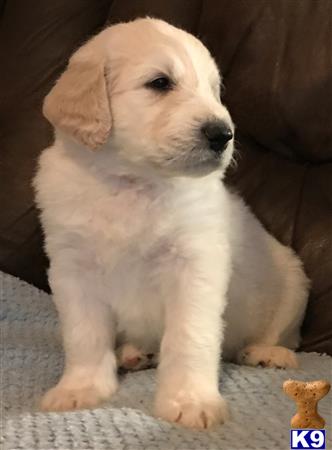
276,60
35,43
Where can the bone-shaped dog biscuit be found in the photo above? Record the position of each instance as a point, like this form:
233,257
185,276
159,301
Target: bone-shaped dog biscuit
306,396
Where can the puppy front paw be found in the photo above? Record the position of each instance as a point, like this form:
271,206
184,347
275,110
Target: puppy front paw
63,399
192,409
73,393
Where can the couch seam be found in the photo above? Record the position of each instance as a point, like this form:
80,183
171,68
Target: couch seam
243,39
299,207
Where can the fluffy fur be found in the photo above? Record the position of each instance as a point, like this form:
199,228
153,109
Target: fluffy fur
148,249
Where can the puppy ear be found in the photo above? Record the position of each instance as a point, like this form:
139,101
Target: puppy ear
78,103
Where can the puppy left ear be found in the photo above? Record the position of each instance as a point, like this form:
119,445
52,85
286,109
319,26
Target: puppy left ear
78,104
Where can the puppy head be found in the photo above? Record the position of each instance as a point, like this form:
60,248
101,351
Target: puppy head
150,93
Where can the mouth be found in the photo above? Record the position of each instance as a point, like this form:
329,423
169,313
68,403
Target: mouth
196,162
200,156
203,167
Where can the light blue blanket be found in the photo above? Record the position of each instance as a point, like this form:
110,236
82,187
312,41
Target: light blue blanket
31,362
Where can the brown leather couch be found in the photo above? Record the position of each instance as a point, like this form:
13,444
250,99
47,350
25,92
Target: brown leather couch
276,57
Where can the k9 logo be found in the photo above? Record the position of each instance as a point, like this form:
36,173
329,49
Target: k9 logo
310,439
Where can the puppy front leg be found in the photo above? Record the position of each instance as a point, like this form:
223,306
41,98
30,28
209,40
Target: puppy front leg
90,365
187,390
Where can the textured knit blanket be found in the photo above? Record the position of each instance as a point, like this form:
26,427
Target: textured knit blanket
32,360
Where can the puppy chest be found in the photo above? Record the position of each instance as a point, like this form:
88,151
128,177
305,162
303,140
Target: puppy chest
129,213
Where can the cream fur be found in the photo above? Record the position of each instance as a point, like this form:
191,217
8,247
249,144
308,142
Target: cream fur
147,247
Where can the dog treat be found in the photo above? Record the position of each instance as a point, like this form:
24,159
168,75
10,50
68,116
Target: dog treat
306,396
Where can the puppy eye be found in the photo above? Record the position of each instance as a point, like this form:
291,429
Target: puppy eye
160,84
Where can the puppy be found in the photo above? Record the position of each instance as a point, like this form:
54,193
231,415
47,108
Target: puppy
148,249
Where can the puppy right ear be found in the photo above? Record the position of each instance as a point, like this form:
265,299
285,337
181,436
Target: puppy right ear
78,104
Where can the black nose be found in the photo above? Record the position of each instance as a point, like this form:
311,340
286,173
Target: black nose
218,134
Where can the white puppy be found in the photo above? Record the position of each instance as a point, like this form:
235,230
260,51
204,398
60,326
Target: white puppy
147,247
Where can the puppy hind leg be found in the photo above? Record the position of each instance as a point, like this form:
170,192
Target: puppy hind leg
273,349
130,357
267,356
265,351
90,365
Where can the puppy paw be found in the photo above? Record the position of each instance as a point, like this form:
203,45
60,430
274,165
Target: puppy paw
268,356
192,409
130,357
62,399
79,392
